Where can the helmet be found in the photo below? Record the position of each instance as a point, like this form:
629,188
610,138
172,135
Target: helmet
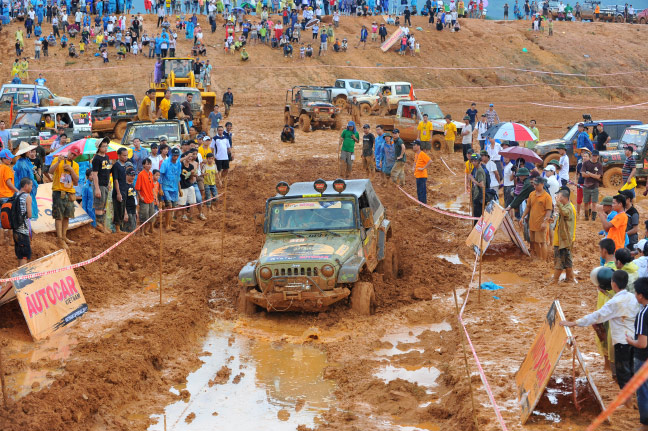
602,277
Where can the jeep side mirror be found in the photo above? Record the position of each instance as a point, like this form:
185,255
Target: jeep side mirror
366,216
40,124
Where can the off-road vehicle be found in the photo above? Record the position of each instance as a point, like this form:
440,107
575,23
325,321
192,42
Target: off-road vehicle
613,160
115,111
310,107
148,132
323,241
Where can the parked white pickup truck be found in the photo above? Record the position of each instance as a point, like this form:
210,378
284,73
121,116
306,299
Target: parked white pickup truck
393,92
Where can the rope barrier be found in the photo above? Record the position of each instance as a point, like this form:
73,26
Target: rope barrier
446,165
448,213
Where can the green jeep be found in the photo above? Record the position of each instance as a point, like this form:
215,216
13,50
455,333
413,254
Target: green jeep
613,160
323,240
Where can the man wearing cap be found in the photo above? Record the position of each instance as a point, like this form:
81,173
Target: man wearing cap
66,175
582,139
591,172
346,147
146,110
563,162
421,163
288,134
450,132
522,176
493,178
629,169
466,137
602,138
491,116
539,208
425,128
368,141
508,181
398,171
170,182
7,187
139,155
478,180
564,236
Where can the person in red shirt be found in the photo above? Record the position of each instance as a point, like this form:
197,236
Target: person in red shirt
145,195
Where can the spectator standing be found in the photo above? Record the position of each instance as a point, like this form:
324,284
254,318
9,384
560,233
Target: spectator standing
421,163
170,182
5,137
425,128
379,142
491,116
539,208
450,132
615,228
101,169
478,180
563,237
472,113
139,155
466,137
591,172
228,101
346,148
65,173
482,127
398,171
22,233
602,138
145,195
222,146
632,228
7,187
563,174
215,118
368,140
531,144
120,188
629,169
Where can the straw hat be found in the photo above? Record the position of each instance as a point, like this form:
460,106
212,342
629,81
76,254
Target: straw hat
23,148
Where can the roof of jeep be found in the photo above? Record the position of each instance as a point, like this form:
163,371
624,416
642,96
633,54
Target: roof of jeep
353,187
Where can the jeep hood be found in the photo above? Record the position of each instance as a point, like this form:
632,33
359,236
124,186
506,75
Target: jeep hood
314,246
319,105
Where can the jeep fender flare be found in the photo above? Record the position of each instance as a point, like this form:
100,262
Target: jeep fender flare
247,275
350,270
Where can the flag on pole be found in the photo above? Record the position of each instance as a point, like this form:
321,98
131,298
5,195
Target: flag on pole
34,99
11,113
411,93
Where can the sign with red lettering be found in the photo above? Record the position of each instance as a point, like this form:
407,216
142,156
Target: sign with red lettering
50,302
539,364
494,217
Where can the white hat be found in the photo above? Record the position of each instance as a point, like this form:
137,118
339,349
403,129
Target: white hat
640,245
24,148
551,168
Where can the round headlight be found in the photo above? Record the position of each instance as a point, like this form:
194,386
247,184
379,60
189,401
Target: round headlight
328,271
265,273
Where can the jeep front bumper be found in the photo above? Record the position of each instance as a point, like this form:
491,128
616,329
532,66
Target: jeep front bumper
298,300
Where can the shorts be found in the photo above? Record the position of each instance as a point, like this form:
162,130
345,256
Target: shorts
591,195
188,197
22,246
131,224
62,205
562,258
368,162
579,195
221,165
426,145
538,236
398,173
170,196
146,211
99,204
346,157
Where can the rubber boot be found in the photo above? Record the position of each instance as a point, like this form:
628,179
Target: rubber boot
570,275
593,215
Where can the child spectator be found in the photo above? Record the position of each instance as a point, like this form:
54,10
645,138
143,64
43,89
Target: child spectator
210,173
104,55
87,197
22,234
81,47
374,31
302,53
121,52
309,51
130,218
145,195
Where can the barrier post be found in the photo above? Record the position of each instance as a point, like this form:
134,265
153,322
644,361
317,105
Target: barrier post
463,346
223,223
481,242
160,257
2,381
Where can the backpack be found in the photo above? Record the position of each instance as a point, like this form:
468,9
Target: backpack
10,215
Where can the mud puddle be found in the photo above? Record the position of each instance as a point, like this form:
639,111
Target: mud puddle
505,279
455,205
250,383
452,258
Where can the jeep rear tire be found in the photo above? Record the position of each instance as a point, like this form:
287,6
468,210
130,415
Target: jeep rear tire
390,262
288,119
365,110
549,158
244,306
437,142
363,298
642,20
304,123
340,102
120,129
613,178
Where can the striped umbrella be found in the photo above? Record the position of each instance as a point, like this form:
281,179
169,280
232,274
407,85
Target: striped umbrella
86,148
510,132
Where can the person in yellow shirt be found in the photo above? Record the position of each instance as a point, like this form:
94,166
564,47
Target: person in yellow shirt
165,106
66,176
468,168
425,133
421,163
205,148
450,131
147,108
49,123
210,173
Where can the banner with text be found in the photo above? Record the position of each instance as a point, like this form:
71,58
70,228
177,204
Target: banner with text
45,222
494,217
50,302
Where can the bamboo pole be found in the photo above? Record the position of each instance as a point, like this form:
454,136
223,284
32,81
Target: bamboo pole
463,346
160,257
223,223
481,242
2,382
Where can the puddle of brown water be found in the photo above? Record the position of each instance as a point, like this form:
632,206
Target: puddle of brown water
455,205
279,386
505,279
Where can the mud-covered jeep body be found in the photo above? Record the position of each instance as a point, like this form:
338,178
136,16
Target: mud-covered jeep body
310,108
323,239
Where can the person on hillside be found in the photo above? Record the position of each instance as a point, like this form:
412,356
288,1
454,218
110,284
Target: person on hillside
421,163
491,116
539,207
368,140
387,158
222,146
346,148
65,173
228,101
472,113
379,141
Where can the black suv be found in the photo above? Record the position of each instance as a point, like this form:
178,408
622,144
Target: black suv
116,110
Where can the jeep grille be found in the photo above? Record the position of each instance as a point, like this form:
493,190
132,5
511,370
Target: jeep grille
293,272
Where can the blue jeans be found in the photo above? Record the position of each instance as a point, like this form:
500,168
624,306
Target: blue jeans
198,194
642,395
421,190
210,192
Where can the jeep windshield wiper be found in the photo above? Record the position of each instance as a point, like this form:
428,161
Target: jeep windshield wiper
333,232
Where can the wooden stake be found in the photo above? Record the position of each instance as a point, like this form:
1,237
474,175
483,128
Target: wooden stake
463,345
481,244
165,422
2,382
223,223
160,262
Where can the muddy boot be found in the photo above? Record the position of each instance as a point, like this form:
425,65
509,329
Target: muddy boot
593,215
570,275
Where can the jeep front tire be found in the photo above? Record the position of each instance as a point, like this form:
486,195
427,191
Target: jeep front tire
244,306
304,123
363,298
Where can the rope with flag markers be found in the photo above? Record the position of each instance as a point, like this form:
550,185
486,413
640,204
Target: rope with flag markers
448,213
103,253
630,388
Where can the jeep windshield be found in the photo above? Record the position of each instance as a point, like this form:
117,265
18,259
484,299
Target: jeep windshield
315,95
311,215
27,119
634,137
571,133
151,132
373,90
432,110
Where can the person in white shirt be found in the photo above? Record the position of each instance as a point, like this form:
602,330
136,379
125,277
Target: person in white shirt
552,182
481,128
642,258
155,157
619,312
466,137
563,175
508,181
491,169
221,146
493,148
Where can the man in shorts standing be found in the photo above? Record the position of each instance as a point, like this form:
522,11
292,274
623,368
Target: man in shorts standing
170,182
187,191
539,207
222,147
425,133
346,148
101,168
368,162
450,131
591,172
398,171
145,195
65,173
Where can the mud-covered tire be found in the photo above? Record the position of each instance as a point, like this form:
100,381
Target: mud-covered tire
244,306
549,158
288,119
389,265
437,142
365,110
304,123
340,102
363,298
337,123
613,178
619,18
120,129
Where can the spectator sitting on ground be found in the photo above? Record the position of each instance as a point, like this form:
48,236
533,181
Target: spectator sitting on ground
337,46
288,50
72,51
288,134
345,45
244,54
64,41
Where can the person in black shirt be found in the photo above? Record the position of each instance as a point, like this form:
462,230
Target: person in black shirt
101,169
640,347
130,218
407,15
186,109
368,141
602,138
120,188
632,228
288,134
